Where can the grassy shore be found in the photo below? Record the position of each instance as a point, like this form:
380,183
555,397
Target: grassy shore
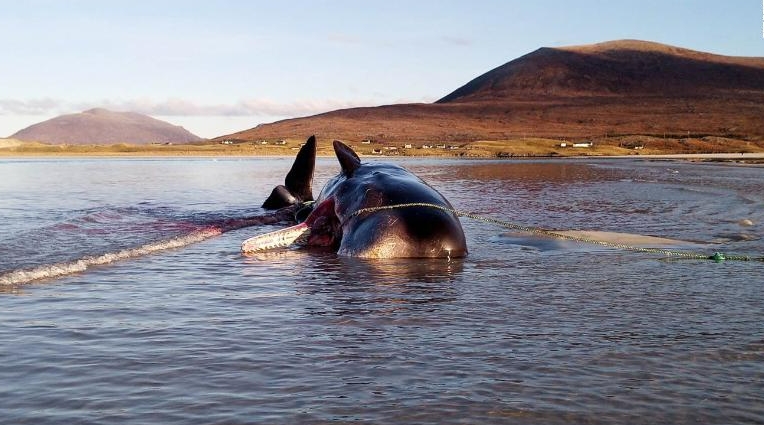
515,148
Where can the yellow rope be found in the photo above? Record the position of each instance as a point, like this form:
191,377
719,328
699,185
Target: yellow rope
551,233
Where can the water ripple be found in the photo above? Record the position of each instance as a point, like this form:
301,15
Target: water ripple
510,334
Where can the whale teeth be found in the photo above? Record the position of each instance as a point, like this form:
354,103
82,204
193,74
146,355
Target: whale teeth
295,235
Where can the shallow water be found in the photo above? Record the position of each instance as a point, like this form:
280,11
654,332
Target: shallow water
517,332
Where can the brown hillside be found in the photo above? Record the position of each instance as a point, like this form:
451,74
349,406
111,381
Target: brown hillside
100,126
616,68
613,88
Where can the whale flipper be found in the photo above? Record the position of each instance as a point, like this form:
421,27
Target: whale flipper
297,187
349,160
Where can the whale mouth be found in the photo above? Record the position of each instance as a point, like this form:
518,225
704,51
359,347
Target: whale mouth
322,228
282,238
325,226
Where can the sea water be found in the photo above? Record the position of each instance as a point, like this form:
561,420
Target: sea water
124,300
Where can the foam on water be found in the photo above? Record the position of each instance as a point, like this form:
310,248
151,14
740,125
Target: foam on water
202,232
49,271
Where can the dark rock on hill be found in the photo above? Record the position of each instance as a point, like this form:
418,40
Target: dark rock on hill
619,87
101,126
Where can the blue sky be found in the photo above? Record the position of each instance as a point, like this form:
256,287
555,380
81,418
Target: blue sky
216,67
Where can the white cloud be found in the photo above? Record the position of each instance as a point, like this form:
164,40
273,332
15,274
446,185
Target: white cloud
457,41
29,107
206,120
181,107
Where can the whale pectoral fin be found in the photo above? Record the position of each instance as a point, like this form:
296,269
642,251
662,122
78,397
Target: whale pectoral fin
297,185
300,177
280,198
349,160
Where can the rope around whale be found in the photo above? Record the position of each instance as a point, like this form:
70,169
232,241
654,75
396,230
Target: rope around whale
717,256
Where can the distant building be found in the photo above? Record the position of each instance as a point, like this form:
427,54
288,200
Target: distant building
583,145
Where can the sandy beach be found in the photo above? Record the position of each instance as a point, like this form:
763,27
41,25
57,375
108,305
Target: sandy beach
520,148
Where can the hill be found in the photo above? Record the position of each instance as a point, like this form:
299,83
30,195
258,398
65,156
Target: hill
101,126
616,68
617,88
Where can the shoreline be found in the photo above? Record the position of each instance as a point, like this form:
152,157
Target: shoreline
752,158
688,149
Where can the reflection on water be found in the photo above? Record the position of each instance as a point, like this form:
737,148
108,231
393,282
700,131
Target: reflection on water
359,286
394,271
349,271
545,172
513,333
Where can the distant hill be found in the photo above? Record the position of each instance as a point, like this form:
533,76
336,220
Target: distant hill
614,88
616,68
101,126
